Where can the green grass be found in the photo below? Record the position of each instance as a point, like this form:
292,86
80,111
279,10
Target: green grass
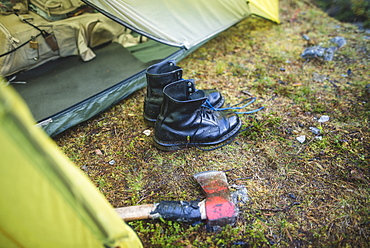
327,177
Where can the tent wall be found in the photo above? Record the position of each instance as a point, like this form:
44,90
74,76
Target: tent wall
45,200
178,23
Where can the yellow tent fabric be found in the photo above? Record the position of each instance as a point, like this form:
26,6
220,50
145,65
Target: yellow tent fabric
45,201
268,9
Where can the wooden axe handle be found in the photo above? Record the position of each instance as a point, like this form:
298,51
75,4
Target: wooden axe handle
140,212
171,210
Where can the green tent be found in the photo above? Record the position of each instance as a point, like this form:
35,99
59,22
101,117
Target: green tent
45,200
62,90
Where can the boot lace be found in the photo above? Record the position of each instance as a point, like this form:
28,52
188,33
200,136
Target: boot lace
251,100
208,106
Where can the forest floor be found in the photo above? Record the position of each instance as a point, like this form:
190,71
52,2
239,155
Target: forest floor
304,161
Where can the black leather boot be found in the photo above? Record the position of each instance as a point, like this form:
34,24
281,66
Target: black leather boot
160,75
184,121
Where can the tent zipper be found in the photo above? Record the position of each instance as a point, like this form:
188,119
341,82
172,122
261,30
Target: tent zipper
11,47
14,41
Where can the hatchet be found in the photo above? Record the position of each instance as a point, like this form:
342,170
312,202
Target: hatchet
218,208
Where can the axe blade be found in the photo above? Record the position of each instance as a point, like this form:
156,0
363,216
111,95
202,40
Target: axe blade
219,207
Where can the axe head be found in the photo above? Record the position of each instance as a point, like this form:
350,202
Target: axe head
219,207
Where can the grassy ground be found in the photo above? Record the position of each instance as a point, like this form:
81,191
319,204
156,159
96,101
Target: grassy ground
311,194
347,10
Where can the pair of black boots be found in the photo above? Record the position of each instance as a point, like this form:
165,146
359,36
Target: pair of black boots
183,116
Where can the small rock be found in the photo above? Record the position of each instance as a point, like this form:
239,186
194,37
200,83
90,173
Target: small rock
147,132
340,41
240,195
306,37
98,152
318,137
246,92
315,130
327,53
324,118
292,196
112,162
301,138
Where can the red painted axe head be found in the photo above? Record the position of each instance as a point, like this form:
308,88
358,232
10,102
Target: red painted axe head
220,209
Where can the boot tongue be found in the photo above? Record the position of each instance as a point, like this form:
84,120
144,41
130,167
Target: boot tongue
196,95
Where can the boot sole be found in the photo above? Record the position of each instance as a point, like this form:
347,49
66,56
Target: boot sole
149,122
163,146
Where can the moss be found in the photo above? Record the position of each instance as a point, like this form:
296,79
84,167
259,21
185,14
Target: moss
328,174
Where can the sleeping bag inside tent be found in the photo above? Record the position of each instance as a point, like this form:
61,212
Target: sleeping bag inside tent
46,201
70,66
